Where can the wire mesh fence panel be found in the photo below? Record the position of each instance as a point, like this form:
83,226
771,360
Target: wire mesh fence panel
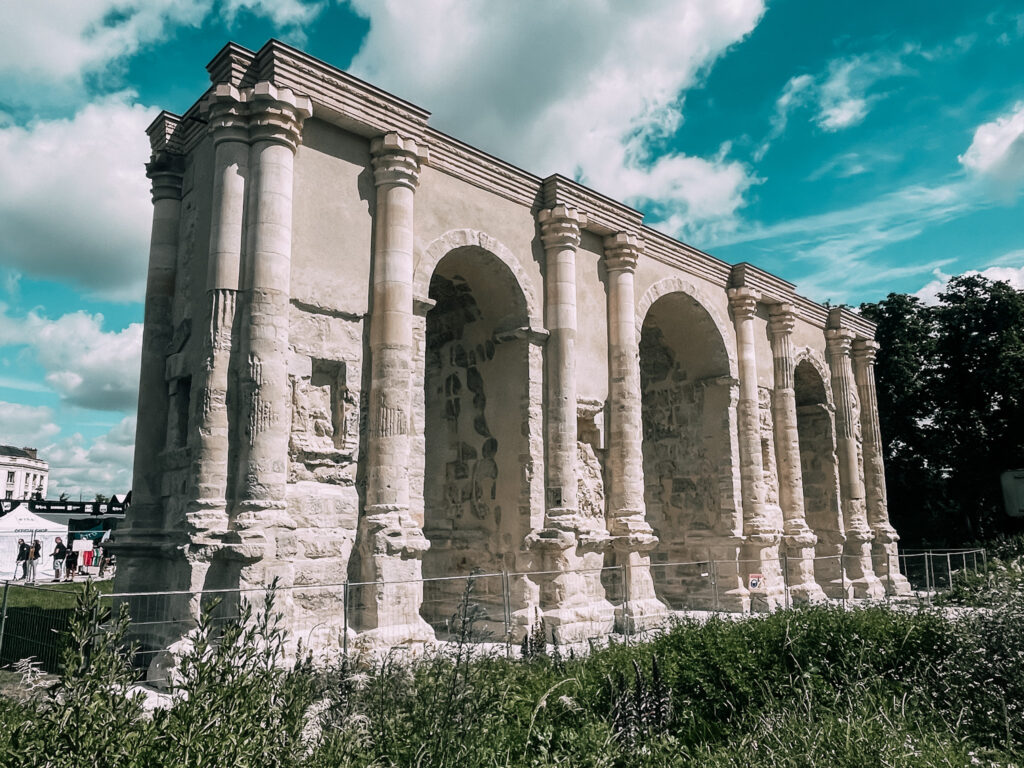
466,608
35,624
685,587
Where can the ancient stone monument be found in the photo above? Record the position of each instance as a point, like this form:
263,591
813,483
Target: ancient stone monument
373,353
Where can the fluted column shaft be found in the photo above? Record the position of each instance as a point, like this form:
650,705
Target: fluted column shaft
165,172
787,441
799,539
885,554
391,541
857,561
229,129
743,303
560,232
276,117
396,171
626,509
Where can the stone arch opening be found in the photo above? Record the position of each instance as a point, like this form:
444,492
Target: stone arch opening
475,386
819,469
686,398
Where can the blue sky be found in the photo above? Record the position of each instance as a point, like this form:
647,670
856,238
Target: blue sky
852,148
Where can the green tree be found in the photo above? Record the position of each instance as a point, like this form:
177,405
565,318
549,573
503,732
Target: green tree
951,400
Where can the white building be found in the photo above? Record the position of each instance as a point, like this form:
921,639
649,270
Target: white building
23,474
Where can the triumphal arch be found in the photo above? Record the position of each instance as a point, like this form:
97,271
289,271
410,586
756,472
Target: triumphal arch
373,353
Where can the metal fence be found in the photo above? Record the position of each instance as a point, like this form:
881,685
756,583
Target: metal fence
501,607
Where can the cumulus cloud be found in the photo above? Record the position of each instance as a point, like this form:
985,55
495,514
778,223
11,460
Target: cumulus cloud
84,364
26,425
1014,276
74,203
103,465
59,44
996,153
577,87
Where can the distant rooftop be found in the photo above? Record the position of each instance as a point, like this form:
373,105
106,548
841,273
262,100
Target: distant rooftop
18,453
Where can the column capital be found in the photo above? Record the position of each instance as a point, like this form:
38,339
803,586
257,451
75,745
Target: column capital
865,351
839,341
166,170
622,251
277,114
397,160
743,302
781,320
227,112
560,227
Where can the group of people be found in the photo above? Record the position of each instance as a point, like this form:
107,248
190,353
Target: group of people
65,561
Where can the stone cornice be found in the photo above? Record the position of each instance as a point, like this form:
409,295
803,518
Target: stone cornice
604,215
337,96
230,65
846,319
670,251
360,108
165,133
772,289
480,169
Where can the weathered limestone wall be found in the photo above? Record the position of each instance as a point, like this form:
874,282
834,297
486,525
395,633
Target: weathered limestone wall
373,353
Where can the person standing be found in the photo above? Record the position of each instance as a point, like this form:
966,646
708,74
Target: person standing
34,552
60,552
20,563
70,564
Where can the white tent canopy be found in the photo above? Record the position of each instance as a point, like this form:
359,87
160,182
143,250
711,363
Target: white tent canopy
20,523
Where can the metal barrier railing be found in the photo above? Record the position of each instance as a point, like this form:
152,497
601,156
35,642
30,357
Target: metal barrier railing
501,607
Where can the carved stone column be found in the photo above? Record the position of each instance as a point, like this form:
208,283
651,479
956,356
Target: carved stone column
572,597
229,129
632,537
885,554
391,541
799,540
143,541
762,537
857,552
276,118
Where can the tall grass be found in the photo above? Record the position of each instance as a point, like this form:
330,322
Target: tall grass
819,686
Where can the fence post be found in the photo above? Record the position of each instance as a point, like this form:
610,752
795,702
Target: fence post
949,570
506,600
625,602
984,561
344,621
785,579
714,582
3,616
842,575
927,577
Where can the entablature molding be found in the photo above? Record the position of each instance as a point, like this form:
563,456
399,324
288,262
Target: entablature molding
773,290
604,215
845,319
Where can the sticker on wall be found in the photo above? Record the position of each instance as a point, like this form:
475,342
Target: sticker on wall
755,582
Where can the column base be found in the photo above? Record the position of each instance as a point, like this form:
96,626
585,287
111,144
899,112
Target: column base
861,579
800,576
886,560
761,552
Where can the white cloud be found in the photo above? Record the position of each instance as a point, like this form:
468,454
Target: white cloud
74,203
839,245
52,46
578,87
84,364
26,425
929,294
840,96
87,468
996,153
